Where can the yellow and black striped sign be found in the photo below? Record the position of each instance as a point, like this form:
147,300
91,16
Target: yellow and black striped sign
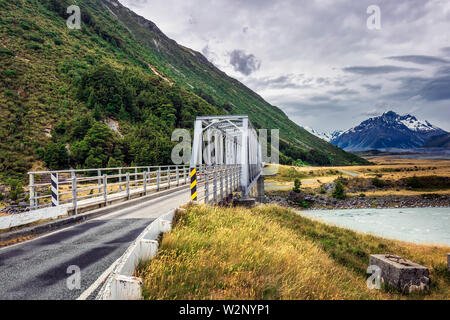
193,184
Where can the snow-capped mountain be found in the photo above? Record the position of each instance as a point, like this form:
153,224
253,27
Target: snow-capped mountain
323,135
387,131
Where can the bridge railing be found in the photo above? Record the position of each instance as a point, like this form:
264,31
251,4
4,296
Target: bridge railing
215,184
79,187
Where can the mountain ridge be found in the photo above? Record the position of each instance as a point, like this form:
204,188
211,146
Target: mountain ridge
389,130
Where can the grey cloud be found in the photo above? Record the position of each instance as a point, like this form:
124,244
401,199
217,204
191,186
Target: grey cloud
372,87
243,62
321,98
137,3
343,92
446,50
282,82
437,89
443,70
430,89
364,70
418,59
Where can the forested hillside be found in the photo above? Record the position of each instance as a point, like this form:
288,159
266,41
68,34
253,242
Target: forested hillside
112,92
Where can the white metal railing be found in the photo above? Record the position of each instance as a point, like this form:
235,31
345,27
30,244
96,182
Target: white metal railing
215,184
76,187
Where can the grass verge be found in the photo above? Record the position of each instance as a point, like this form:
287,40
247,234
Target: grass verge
270,252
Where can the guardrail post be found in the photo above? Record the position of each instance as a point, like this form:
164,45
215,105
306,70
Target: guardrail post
193,175
227,189
158,179
215,185
74,192
55,189
105,188
145,182
135,177
184,174
120,180
221,183
206,186
231,179
168,176
99,180
128,185
178,176
32,191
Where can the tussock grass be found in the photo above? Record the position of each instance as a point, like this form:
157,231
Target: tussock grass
272,253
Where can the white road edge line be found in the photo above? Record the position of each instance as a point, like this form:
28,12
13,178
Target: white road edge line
98,282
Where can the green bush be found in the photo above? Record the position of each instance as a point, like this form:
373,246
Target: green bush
339,192
428,182
55,156
378,183
6,51
15,189
297,185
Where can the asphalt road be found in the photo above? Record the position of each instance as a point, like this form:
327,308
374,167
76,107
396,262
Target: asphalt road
37,269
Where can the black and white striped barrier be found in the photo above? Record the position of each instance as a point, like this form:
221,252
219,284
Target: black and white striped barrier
54,187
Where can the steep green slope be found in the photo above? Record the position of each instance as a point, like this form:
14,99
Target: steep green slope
62,91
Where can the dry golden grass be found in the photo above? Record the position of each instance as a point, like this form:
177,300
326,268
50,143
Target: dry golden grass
16,240
271,253
387,168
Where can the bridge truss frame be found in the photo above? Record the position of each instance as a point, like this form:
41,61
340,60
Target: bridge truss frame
226,140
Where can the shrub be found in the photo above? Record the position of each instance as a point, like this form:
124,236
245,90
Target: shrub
378,183
6,51
428,182
342,180
15,189
10,73
305,204
322,190
297,185
55,156
339,192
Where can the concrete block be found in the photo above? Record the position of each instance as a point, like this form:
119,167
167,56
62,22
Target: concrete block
165,225
20,219
405,275
244,202
126,288
148,249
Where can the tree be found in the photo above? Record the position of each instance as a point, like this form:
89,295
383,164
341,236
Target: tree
55,156
297,185
339,192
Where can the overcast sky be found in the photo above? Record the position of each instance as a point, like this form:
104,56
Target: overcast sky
316,59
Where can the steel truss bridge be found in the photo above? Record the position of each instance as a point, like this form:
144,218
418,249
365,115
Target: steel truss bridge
225,159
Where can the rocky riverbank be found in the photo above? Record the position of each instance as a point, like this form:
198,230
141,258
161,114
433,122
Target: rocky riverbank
313,201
